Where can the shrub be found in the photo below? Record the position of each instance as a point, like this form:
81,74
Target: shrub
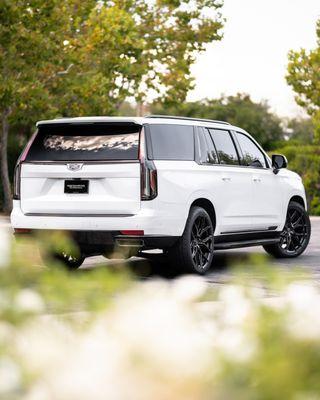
305,160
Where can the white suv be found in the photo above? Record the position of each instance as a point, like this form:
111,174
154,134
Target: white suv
187,186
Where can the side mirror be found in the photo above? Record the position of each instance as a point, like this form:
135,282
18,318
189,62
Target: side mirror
278,161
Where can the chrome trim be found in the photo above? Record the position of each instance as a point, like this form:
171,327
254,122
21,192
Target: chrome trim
234,166
84,162
129,242
269,229
78,215
74,166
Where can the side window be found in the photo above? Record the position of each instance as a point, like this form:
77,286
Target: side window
172,142
251,154
208,153
226,150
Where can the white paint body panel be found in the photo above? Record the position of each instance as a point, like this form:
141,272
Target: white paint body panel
244,198
113,189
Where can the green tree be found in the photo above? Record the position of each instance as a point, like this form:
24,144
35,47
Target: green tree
304,78
305,160
239,110
130,48
31,56
300,130
86,57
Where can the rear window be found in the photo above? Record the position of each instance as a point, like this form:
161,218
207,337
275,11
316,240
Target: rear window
58,142
172,142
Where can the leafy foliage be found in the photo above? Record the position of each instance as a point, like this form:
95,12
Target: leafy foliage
61,291
86,57
304,77
300,130
305,160
239,110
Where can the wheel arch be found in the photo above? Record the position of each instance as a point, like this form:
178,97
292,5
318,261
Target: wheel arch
298,199
208,206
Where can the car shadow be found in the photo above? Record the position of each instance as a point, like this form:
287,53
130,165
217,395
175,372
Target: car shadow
159,265
155,265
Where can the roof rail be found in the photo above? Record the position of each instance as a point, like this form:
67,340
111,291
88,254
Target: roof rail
187,118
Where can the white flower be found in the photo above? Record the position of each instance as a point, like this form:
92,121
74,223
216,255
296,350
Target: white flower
163,331
189,288
10,376
301,296
231,293
236,345
237,308
5,245
28,300
38,391
4,299
303,302
66,42
6,331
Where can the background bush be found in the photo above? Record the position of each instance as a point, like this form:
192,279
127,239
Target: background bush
305,160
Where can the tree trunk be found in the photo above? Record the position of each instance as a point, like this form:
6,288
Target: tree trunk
5,181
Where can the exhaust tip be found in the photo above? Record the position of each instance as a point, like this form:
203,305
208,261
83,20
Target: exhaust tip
129,242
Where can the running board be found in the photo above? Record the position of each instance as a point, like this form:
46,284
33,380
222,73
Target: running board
245,243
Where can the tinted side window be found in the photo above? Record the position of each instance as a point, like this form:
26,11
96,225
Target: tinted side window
225,147
208,153
251,154
212,154
172,142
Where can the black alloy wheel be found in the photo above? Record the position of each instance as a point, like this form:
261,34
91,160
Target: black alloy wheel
193,252
69,260
201,244
295,236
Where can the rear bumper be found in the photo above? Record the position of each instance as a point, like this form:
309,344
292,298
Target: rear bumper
98,242
152,222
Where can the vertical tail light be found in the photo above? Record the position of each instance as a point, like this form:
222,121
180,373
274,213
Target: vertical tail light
16,182
148,172
17,170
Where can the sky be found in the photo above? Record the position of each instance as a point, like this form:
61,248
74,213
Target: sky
252,56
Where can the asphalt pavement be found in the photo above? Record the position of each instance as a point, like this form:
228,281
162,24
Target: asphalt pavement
223,260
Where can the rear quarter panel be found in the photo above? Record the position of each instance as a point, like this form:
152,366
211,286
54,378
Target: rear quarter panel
180,183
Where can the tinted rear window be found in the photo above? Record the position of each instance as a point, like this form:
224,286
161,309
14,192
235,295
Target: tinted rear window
172,142
58,142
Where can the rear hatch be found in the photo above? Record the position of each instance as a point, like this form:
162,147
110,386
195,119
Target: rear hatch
82,169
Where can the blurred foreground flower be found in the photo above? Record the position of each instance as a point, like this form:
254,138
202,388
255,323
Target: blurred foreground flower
100,335
5,245
154,342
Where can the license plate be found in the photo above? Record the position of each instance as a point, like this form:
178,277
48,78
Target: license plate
76,186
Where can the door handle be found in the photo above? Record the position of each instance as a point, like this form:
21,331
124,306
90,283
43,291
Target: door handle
226,179
256,180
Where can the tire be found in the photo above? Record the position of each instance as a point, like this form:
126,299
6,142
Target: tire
295,236
71,262
193,253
